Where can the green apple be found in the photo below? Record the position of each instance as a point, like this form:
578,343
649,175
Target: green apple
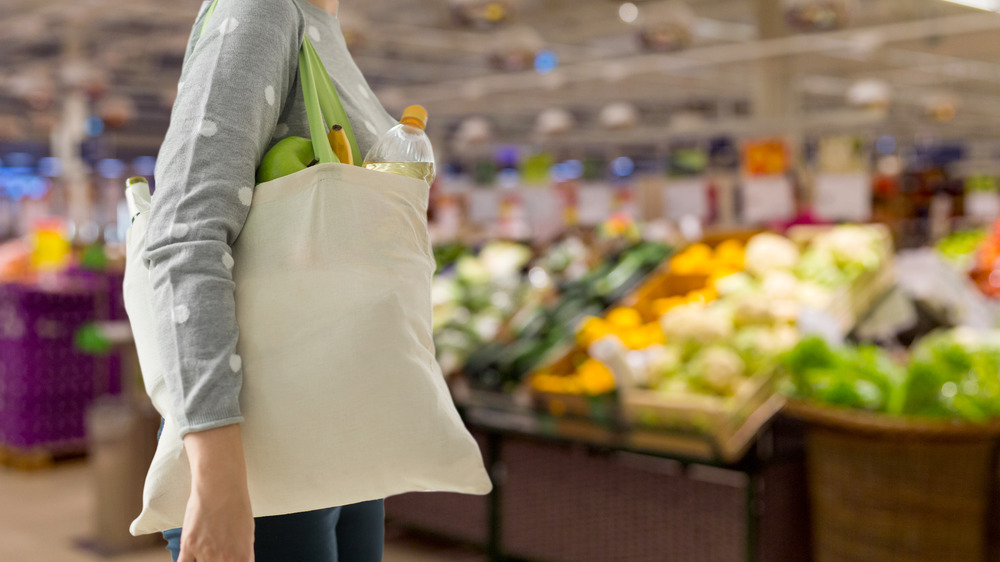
287,156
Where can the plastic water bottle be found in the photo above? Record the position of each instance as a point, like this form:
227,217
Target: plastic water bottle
137,195
405,149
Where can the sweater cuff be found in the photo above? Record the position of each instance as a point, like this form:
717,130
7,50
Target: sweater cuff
219,416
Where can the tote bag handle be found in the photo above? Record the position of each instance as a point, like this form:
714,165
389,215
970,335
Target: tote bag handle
321,99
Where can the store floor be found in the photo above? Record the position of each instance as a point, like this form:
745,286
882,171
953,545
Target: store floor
44,514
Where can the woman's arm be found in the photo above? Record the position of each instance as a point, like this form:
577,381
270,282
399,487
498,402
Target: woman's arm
218,522
233,90
234,84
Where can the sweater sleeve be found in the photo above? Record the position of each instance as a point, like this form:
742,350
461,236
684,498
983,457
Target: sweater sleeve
235,82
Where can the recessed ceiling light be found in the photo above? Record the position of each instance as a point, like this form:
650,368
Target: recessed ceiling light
628,11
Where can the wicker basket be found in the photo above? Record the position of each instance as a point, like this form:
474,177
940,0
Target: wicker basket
890,489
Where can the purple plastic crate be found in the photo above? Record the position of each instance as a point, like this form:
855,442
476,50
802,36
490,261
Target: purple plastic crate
111,298
45,384
111,306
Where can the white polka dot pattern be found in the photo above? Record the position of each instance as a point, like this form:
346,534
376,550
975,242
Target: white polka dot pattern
181,314
235,362
281,130
228,25
314,33
246,196
208,128
227,260
371,128
179,230
363,90
269,95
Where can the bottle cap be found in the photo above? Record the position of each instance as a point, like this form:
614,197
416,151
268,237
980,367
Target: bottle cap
415,116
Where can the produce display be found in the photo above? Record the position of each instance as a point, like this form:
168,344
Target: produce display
542,325
638,326
951,374
702,259
476,294
710,341
697,346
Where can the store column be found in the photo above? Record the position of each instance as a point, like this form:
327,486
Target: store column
773,91
68,136
776,101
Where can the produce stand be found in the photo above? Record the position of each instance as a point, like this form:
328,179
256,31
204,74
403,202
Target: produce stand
554,456
573,435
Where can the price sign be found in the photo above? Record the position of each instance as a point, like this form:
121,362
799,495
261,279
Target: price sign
544,209
484,205
844,196
594,203
767,198
686,197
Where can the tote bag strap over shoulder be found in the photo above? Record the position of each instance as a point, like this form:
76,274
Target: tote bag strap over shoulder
323,105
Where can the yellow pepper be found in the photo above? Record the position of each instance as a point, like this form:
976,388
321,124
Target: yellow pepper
624,317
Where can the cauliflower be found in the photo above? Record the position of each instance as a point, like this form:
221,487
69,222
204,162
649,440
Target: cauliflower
444,290
735,284
486,325
779,284
697,323
471,270
718,369
819,267
767,252
759,346
813,295
786,310
851,245
674,385
662,361
504,259
442,315
752,309
841,255
766,342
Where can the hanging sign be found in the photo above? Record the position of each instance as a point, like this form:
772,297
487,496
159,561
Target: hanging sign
765,157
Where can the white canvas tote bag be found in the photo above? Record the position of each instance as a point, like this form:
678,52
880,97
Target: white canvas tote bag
342,397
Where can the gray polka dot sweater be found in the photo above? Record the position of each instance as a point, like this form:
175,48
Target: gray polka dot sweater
239,94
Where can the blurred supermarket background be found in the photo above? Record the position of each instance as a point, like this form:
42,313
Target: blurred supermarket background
717,279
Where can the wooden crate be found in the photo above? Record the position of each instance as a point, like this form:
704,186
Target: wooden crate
850,304
729,423
660,285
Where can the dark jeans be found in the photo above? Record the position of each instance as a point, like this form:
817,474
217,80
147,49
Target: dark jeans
350,533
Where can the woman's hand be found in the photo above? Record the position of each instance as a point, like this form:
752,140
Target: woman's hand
218,523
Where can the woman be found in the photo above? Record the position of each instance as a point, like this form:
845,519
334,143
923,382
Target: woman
239,94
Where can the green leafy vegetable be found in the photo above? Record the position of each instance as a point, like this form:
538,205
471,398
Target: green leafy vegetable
949,375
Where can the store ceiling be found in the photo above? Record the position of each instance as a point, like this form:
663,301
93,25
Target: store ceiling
414,52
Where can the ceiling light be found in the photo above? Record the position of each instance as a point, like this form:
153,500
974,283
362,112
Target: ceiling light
988,5
628,12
